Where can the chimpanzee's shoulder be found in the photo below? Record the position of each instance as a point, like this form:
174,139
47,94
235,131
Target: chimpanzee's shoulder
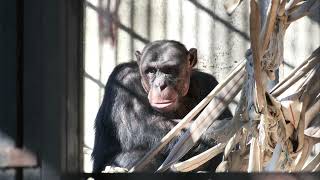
126,68
125,71
202,83
203,78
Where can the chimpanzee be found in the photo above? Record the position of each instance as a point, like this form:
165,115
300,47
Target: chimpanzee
144,100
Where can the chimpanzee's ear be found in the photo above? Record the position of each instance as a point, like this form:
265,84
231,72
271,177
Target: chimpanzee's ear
138,55
192,56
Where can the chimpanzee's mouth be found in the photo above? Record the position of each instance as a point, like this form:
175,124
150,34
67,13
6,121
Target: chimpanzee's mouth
164,105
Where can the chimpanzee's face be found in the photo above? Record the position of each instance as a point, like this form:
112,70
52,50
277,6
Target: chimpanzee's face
165,70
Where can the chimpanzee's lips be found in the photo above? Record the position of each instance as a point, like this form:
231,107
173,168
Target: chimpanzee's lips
165,104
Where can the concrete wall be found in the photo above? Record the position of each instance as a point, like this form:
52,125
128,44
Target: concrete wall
115,29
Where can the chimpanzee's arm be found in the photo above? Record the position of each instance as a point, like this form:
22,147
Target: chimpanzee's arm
106,145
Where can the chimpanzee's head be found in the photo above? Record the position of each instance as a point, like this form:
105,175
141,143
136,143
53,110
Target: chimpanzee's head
165,68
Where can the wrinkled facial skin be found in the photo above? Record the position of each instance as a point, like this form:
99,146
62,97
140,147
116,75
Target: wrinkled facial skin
165,74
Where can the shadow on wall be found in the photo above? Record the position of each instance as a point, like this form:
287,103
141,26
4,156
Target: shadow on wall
109,20
217,18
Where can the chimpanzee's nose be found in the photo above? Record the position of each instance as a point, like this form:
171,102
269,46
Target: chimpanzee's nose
162,86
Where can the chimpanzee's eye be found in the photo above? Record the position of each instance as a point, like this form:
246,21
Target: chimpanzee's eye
170,70
150,70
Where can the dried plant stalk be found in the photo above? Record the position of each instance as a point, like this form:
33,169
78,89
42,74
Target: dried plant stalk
297,73
292,3
303,155
303,10
312,164
254,38
274,161
198,160
313,111
254,156
269,25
